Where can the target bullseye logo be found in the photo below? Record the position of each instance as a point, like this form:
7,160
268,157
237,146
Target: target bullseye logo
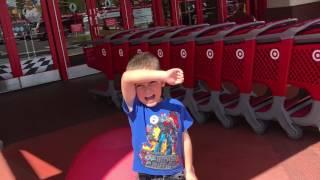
160,53
183,53
316,55
240,54
120,52
139,51
210,54
274,54
103,52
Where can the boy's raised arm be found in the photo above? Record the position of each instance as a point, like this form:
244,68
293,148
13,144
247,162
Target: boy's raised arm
132,77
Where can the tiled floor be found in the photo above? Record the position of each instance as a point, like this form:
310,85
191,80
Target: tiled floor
219,153
32,66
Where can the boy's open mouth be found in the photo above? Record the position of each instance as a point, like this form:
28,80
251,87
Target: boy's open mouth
150,97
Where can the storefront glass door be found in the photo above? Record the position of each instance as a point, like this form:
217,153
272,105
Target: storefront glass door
237,11
210,11
5,67
31,37
188,12
75,22
109,18
166,6
6,74
25,47
142,13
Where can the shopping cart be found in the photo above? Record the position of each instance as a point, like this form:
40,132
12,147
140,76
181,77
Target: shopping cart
120,48
141,44
271,68
160,46
182,55
237,68
304,73
99,56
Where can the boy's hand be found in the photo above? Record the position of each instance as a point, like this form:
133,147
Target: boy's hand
190,175
174,76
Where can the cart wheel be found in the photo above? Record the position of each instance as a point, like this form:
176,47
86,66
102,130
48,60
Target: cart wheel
228,122
298,133
264,124
95,97
202,117
1,145
98,98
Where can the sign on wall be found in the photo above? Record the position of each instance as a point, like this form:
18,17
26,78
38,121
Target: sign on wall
142,15
11,3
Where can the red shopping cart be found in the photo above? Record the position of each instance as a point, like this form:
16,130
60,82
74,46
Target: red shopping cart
160,46
183,56
141,44
304,73
237,68
99,56
271,68
120,48
209,53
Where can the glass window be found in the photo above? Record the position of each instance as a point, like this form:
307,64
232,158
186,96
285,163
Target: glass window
188,12
210,11
237,11
75,23
142,13
109,18
5,68
166,6
31,36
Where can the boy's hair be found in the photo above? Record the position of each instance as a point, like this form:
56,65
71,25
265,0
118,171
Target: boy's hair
144,60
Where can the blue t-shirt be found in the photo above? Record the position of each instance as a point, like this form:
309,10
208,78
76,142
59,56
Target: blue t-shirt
157,136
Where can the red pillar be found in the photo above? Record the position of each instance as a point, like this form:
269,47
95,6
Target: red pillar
260,9
58,36
175,12
92,16
158,13
199,11
248,5
126,14
223,10
10,41
48,26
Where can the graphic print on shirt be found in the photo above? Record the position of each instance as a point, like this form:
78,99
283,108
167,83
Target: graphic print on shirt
159,152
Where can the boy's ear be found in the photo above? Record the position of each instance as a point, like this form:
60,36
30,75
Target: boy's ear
163,84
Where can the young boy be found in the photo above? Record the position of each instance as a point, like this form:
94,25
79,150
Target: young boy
161,144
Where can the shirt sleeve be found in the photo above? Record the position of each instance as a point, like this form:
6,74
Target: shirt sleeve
186,119
133,113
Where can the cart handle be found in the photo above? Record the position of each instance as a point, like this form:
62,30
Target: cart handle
216,26
290,33
168,36
147,36
118,33
109,38
128,36
193,35
307,39
144,30
255,32
221,35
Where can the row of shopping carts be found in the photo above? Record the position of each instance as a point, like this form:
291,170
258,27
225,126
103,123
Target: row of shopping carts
276,54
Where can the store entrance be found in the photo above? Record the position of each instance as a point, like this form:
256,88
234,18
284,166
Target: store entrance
74,34
27,57
187,12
